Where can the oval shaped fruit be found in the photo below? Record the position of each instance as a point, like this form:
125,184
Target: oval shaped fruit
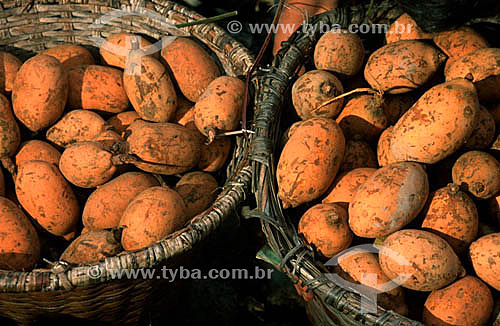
363,118
199,190
192,67
168,144
483,66
309,161
446,114
339,51
314,88
363,268
151,92
150,216
219,108
124,43
47,197
92,246
37,150
76,126
19,243
346,185
358,154
390,199
87,164
70,55
96,87
467,301
402,66
325,227
479,172
10,65
40,92
425,260
485,259
106,204
452,215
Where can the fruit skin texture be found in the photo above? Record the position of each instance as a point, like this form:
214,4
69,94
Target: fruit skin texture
384,152
105,205
152,215
92,246
313,89
70,55
40,92
484,67
175,147
309,161
87,164
199,190
75,126
431,262
446,114
388,200
151,92
37,150
124,41
47,197
467,301
452,214
358,154
479,172
10,66
485,258
363,117
346,185
122,120
484,133
459,42
415,33
325,226
219,108
361,267
402,66
340,52
9,129
192,67
95,87
19,243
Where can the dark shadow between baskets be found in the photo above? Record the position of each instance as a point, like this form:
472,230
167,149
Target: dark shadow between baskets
89,293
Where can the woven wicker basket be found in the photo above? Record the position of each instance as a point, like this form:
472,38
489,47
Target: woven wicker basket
328,303
29,27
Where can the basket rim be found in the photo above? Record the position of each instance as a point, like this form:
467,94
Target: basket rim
65,277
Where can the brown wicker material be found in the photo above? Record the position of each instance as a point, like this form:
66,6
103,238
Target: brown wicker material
331,304
27,27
